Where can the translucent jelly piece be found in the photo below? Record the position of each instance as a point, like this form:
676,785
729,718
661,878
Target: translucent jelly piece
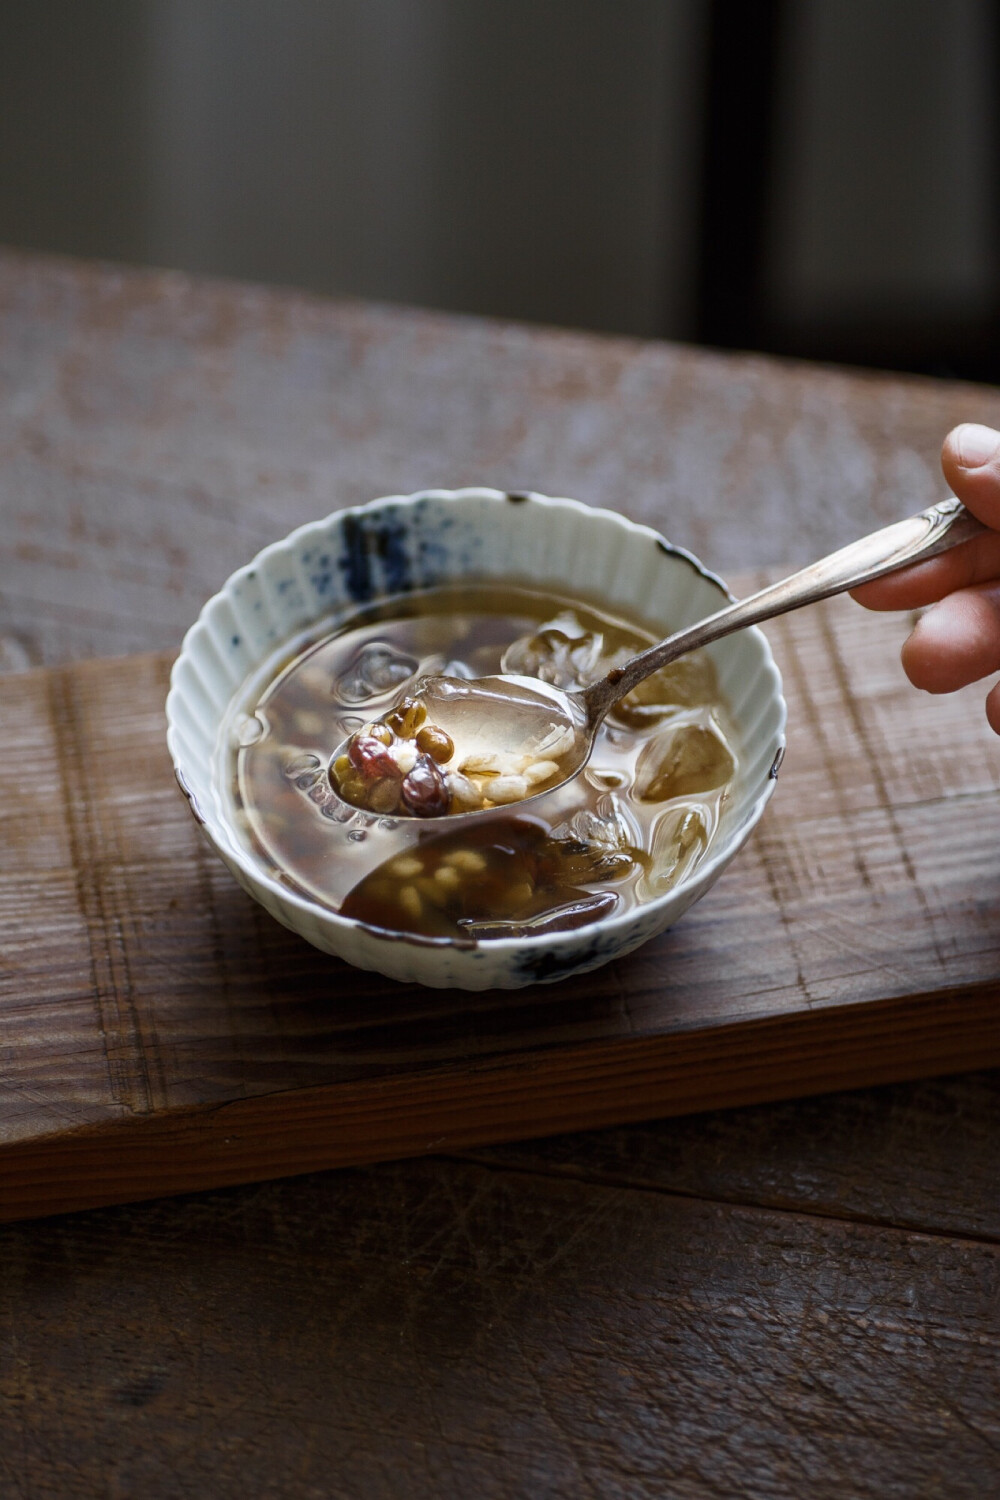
687,683
683,762
680,837
496,718
598,845
573,860
377,668
562,653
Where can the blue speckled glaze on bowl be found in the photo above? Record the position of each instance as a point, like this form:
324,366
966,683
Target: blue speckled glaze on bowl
355,557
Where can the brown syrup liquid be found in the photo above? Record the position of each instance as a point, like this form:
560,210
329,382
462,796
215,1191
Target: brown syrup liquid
639,817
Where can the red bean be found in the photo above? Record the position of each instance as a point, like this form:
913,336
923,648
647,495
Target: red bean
424,790
370,757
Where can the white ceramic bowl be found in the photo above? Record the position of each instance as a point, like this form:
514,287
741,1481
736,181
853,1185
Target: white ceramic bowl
446,537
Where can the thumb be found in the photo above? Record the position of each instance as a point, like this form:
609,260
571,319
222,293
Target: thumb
970,459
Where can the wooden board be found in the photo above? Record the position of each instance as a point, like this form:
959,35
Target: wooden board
160,1033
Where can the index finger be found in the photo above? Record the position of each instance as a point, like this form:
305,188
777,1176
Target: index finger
970,461
973,562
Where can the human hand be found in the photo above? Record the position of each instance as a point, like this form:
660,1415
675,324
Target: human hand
958,640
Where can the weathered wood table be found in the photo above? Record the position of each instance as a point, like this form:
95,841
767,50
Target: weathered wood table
792,1299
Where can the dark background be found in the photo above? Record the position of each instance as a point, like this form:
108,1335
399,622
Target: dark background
815,177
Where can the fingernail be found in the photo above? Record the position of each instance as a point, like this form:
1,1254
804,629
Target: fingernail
976,444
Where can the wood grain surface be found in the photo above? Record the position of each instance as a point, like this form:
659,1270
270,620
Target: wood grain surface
443,1328
157,430
164,1034
794,1298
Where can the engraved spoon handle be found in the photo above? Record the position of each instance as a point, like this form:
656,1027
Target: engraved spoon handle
943,526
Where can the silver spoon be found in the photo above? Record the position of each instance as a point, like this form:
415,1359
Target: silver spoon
511,712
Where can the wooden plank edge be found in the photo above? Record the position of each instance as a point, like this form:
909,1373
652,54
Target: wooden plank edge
544,1093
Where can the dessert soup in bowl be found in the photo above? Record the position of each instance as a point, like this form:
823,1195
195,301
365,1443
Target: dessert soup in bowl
315,643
